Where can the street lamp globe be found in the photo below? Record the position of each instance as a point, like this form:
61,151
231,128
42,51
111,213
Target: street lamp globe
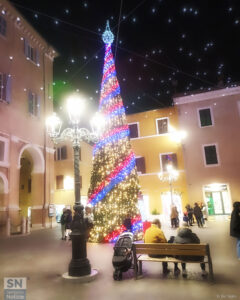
54,125
97,123
75,108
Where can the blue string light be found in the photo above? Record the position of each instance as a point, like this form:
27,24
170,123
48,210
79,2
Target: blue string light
118,178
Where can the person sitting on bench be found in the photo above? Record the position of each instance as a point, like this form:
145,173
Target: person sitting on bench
154,234
186,236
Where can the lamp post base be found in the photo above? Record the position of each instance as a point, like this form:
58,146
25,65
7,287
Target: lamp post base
79,264
79,267
81,279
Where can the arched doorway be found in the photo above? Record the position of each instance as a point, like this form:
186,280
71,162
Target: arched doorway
3,202
25,184
31,184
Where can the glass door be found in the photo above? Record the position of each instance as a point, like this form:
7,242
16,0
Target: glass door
217,203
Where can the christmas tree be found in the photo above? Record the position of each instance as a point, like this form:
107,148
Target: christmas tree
114,186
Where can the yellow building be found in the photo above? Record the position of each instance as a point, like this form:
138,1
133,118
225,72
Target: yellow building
64,175
156,142
26,154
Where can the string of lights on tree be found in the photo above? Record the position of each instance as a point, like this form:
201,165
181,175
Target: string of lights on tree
114,186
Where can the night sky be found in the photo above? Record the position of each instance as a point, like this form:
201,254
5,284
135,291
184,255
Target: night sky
164,47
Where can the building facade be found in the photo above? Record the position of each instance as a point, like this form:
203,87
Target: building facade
211,151
156,141
26,153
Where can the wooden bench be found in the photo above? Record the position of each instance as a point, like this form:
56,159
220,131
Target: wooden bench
170,251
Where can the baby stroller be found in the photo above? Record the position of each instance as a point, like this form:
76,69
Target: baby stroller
122,256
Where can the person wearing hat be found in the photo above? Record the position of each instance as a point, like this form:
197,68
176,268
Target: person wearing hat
186,236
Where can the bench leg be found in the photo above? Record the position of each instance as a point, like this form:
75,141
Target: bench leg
211,277
140,267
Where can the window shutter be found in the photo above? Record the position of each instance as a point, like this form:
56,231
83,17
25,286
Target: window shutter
38,106
4,89
162,126
8,88
133,128
30,102
2,145
80,179
169,159
26,47
140,164
59,182
36,56
211,155
64,152
80,154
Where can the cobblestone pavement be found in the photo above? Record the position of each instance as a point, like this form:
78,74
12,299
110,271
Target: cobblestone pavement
42,257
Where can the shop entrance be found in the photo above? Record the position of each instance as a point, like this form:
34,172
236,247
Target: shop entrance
217,198
166,205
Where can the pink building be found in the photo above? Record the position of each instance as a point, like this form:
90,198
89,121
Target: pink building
211,149
26,153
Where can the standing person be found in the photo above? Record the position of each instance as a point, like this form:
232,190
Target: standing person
128,223
63,223
174,216
68,223
235,225
190,214
154,234
204,212
186,236
198,214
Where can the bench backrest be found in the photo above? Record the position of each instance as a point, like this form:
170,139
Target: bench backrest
171,249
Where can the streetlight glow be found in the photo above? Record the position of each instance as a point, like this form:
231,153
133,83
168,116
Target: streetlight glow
97,122
75,108
170,175
54,125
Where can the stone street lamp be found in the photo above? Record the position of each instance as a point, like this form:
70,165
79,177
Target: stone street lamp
170,176
79,265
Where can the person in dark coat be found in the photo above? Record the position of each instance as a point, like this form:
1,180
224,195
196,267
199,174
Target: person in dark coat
63,223
190,214
128,223
68,222
235,225
186,236
198,214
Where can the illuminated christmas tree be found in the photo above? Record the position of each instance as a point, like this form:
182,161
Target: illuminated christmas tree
114,186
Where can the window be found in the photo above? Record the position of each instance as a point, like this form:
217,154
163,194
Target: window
2,145
140,164
33,104
4,154
133,128
59,182
30,52
162,125
5,87
205,117
61,153
168,158
66,182
210,152
80,154
238,105
3,26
